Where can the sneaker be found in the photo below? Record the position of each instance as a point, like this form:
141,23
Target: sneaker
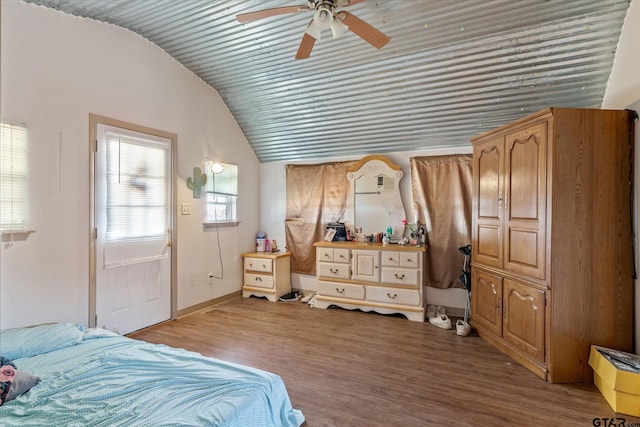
462,328
441,321
291,296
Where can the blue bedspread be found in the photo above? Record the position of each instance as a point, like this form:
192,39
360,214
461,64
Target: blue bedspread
109,380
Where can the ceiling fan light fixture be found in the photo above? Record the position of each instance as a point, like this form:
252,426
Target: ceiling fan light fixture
314,30
338,28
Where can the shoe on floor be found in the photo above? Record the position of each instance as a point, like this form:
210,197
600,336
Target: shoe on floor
291,296
462,328
441,321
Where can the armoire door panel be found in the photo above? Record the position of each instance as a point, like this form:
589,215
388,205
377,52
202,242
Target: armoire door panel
523,248
525,219
524,321
487,241
486,300
489,169
524,164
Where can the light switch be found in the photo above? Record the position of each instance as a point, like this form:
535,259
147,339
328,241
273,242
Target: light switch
186,209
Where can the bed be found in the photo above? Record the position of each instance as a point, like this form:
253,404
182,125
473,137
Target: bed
74,376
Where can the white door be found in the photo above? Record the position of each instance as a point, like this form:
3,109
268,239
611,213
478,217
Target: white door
132,229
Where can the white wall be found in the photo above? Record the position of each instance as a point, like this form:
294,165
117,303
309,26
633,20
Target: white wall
273,190
623,91
55,70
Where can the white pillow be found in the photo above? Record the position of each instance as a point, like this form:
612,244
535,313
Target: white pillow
27,342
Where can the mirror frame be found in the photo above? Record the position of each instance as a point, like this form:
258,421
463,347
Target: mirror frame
374,165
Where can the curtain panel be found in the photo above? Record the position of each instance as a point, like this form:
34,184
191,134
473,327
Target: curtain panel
316,195
441,188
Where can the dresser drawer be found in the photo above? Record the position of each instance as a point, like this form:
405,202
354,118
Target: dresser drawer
393,295
333,255
258,264
390,258
341,290
401,276
410,259
400,259
333,270
258,280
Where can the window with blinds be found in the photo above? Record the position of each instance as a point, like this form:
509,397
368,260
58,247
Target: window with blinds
137,198
222,193
13,177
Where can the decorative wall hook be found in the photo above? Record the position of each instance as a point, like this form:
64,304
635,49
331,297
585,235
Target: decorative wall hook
197,182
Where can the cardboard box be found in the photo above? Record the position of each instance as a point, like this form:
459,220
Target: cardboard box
617,376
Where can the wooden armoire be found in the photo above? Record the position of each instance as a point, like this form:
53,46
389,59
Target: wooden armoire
552,260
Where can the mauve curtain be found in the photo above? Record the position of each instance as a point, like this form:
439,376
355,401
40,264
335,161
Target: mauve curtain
316,195
441,187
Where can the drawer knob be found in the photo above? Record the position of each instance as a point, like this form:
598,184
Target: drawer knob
394,296
258,279
334,271
340,291
399,276
326,255
342,256
409,260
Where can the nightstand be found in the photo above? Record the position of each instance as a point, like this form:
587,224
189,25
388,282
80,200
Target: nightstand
266,274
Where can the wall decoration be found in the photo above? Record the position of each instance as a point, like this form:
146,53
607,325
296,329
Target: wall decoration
197,182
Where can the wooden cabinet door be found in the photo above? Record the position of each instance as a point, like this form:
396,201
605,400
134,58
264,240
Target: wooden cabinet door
525,201
366,265
488,176
486,301
524,311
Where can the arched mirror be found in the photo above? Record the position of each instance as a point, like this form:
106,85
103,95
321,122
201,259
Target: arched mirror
374,201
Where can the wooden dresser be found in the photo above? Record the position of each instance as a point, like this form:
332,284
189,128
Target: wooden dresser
552,268
266,274
371,277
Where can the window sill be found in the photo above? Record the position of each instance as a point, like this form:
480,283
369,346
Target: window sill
16,235
216,224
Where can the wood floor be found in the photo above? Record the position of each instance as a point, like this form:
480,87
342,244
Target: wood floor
349,368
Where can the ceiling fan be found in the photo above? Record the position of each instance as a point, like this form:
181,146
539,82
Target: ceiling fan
326,16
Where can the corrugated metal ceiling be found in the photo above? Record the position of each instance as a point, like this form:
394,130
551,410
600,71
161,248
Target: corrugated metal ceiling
452,69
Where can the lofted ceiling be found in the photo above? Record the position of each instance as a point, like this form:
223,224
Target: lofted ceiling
453,68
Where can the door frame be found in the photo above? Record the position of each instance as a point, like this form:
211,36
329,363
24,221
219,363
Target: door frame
94,119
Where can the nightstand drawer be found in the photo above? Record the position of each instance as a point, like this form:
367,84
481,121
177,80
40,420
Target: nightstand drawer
258,280
258,264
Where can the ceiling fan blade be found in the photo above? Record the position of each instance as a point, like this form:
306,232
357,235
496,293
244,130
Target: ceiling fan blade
304,50
368,33
260,14
345,3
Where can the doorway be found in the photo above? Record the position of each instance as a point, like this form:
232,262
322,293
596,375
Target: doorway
132,268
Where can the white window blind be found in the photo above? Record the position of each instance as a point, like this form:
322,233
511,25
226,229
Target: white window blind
138,194
13,177
222,193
